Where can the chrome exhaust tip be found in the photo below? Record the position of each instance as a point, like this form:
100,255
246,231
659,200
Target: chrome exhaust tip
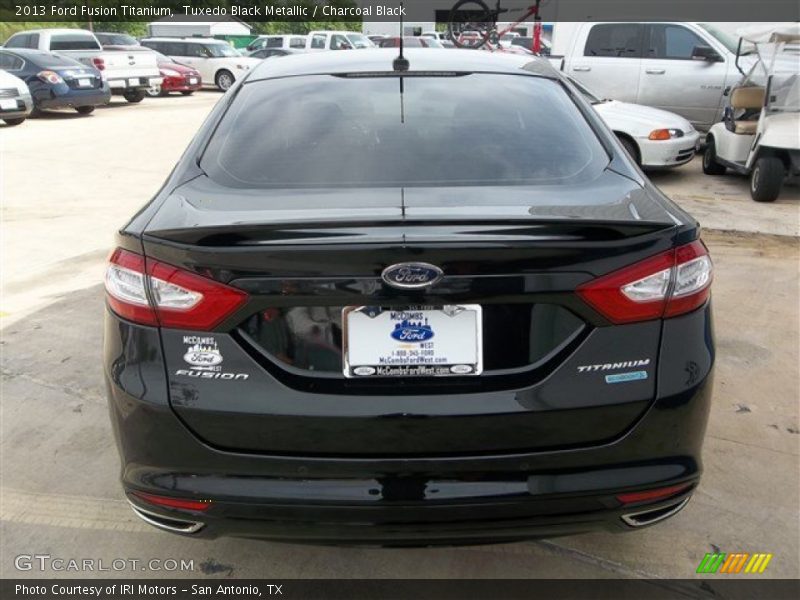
166,523
653,515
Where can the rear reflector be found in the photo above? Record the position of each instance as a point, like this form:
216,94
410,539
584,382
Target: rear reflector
154,293
665,285
652,495
170,502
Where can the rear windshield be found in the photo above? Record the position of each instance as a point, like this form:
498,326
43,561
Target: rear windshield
477,129
73,41
53,61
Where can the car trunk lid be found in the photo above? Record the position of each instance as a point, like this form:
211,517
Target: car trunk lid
303,256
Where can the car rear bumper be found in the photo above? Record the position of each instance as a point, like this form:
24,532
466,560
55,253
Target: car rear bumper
18,107
179,84
51,99
406,501
136,82
406,524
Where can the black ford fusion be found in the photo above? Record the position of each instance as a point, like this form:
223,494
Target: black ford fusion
406,304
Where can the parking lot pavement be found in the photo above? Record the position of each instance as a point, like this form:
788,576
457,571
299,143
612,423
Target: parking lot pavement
69,182
723,203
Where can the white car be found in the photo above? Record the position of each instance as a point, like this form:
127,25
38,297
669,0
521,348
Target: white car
15,99
298,42
655,138
442,36
216,60
337,40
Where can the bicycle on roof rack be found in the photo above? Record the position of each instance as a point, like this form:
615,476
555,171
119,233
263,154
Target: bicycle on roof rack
472,24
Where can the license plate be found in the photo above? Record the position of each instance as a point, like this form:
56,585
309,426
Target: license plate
193,81
8,104
133,82
412,342
84,82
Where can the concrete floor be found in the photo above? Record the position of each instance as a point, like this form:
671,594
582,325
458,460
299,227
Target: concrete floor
68,182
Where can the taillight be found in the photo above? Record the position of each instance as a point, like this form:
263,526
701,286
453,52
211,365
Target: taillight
99,63
665,285
160,294
50,77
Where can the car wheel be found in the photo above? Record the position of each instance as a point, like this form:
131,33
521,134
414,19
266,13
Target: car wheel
154,91
710,164
767,179
630,147
187,92
224,80
14,122
85,110
134,96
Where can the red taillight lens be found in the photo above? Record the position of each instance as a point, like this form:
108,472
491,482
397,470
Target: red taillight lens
665,285
160,294
187,301
170,502
652,495
99,63
50,77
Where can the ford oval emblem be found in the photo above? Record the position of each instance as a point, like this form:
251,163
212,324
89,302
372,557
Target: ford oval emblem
411,331
411,275
203,358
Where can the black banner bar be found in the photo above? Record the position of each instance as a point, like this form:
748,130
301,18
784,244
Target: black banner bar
729,587
255,11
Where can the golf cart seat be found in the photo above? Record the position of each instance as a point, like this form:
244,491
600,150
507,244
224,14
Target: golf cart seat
750,100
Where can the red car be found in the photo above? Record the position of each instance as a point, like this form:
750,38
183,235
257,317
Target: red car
177,78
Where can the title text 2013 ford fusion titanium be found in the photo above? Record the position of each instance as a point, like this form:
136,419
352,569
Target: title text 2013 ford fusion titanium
407,304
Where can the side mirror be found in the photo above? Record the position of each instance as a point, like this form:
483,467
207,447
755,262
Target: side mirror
706,53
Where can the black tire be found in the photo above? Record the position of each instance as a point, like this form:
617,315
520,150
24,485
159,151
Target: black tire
155,91
631,148
766,179
224,79
14,122
187,92
482,20
85,110
134,96
710,164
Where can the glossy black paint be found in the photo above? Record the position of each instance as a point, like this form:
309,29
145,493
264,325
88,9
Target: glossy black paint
500,496
533,447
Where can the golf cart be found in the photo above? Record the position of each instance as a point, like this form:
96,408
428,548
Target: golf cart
760,131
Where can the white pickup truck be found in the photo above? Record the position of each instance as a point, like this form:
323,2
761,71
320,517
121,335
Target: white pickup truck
127,73
685,68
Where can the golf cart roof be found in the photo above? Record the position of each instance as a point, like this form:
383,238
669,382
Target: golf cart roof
770,34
